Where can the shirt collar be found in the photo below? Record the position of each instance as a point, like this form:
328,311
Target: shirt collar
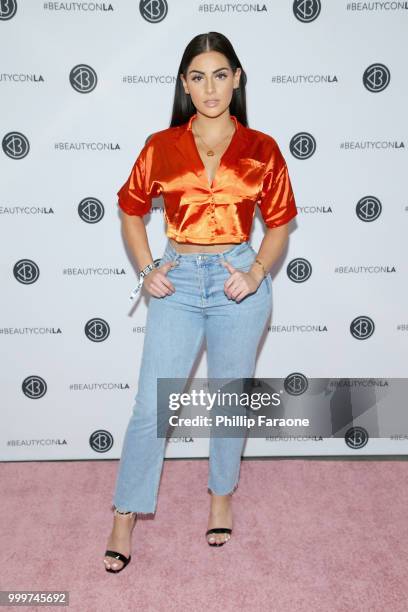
233,118
186,147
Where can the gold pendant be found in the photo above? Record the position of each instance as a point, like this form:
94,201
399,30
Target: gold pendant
210,152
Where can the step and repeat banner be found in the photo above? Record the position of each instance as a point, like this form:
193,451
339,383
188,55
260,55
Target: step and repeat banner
82,85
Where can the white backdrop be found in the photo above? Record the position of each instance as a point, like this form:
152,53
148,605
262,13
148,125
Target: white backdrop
82,86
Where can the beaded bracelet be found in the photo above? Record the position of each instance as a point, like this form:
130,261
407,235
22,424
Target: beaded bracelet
263,267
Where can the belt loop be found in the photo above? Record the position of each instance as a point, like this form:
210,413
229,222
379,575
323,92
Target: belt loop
175,255
222,256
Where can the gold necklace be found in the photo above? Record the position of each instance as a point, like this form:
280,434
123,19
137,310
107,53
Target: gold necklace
210,151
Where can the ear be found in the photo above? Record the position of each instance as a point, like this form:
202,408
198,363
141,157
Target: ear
184,84
237,76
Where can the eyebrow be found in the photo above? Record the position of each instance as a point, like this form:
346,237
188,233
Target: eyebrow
201,72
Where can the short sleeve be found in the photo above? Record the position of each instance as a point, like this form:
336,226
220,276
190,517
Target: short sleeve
134,197
277,201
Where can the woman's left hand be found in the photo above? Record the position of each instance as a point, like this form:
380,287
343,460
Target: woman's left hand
240,283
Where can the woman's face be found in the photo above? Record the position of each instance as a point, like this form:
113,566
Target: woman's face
210,83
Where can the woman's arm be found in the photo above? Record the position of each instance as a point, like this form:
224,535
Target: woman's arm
272,246
134,232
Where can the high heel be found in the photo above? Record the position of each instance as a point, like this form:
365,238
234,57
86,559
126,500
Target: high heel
117,555
218,530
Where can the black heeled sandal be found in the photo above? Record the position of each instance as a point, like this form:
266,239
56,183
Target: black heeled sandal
218,530
117,555
120,557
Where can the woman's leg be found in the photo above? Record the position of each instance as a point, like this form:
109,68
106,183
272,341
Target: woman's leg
233,333
174,333
172,341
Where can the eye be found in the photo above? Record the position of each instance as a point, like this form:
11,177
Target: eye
222,75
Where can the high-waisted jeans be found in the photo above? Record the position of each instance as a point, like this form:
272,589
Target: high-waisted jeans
176,326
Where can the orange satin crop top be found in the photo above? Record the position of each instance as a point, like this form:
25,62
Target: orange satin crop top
251,171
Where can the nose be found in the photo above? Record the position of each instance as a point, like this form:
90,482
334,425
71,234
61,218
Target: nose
209,85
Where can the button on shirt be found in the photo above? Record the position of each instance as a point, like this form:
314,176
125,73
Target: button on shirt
252,171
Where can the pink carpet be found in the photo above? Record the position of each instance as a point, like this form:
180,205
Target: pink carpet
309,535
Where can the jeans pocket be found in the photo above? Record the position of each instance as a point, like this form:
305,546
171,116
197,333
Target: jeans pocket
163,260
168,257
165,257
243,261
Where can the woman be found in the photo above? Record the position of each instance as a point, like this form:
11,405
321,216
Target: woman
211,284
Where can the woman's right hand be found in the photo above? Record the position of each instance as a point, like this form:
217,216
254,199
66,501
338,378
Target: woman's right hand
157,283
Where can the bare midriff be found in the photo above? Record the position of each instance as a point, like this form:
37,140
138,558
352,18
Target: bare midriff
200,248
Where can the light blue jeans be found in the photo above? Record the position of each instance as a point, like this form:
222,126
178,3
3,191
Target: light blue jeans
176,326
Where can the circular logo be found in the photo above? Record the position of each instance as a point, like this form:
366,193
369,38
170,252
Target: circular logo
356,437
368,209
83,78
101,441
97,330
91,210
302,145
296,383
8,9
26,271
362,327
15,145
306,11
376,77
299,270
153,12
34,387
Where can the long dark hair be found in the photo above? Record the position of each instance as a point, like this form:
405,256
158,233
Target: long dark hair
183,107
